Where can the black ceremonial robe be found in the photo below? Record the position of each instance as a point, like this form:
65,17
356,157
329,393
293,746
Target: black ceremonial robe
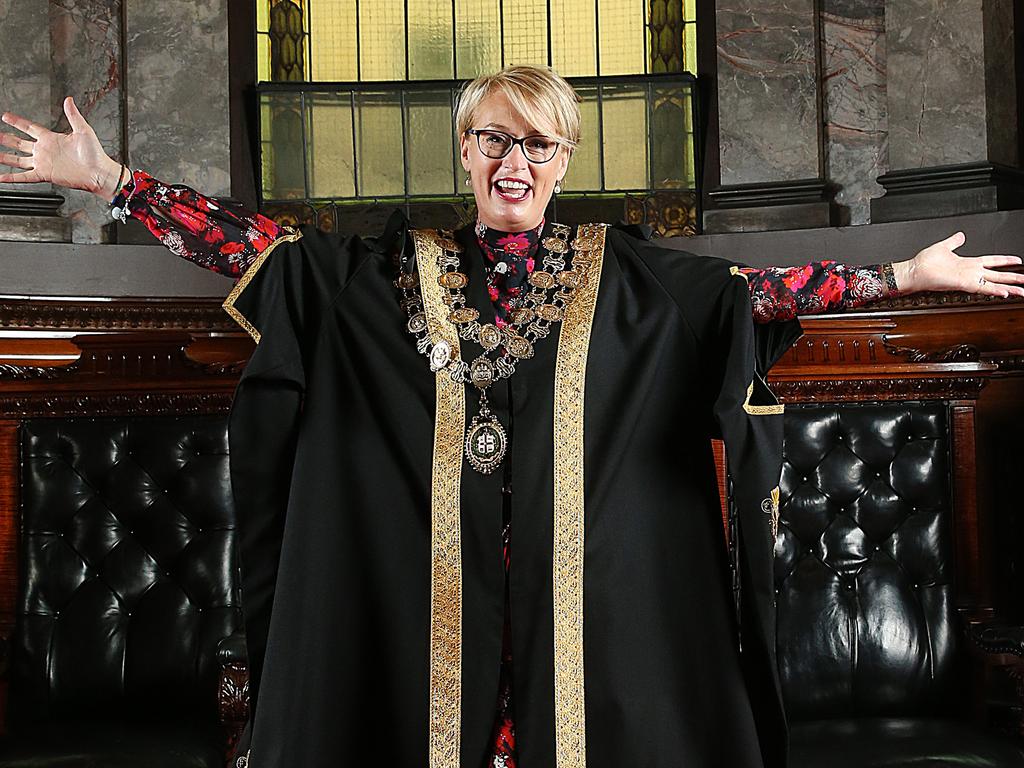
371,552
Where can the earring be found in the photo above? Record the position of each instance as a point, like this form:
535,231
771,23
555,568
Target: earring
558,187
469,181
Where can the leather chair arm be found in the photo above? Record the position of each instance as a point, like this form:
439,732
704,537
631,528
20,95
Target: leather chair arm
998,647
232,650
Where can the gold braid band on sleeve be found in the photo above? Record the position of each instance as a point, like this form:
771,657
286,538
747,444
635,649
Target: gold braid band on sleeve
290,236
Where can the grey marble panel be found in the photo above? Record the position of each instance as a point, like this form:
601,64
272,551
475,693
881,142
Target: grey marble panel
854,103
936,66
767,90
177,86
1001,88
85,37
25,68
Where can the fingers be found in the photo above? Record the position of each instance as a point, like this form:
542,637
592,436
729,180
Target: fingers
75,119
16,161
955,240
15,142
25,177
24,125
999,261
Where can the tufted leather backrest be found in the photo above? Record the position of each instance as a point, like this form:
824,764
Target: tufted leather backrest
127,565
864,559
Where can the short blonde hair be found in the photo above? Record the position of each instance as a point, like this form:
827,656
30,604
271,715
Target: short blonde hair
541,96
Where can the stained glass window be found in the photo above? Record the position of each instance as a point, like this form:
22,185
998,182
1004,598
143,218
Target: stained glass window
356,96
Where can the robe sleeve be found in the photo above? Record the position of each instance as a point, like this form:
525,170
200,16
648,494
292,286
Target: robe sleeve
748,419
281,301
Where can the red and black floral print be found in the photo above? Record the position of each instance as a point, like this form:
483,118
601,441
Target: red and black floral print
510,258
222,237
782,293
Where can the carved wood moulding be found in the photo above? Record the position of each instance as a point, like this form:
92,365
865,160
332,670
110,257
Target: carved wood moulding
46,404
853,390
114,314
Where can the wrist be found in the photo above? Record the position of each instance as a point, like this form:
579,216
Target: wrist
904,273
107,177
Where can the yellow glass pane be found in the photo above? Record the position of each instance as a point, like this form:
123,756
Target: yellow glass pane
689,10
621,26
574,38
333,40
262,15
690,48
382,40
262,57
526,32
584,173
281,138
429,138
624,122
430,40
329,145
379,153
477,37
671,161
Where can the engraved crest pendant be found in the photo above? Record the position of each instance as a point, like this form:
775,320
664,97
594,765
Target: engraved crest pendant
486,441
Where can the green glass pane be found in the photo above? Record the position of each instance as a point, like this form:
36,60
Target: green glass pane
329,145
689,9
624,122
429,143
379,149
281,139
333,40
621,26
477,37
584,173
690,48
262,15
671,161
382,40
262,57
525,27
431,42
574,38
287,41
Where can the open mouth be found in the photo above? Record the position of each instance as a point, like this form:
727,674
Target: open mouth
512,190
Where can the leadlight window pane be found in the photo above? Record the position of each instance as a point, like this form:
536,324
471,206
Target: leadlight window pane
690,48
430,39
478,42
525,28
283,166
263,57
382,40
379,141
429,152
625,133
333,40
329,145
573,43
584,173
621,34
671,137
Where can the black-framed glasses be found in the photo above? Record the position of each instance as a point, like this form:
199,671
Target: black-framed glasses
496,144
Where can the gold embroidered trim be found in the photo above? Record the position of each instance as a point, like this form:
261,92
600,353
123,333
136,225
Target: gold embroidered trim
760,410
770,506
445,535
567,558
735,272
247,276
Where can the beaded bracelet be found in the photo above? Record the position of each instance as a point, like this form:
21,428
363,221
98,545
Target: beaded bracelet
890,279
121,212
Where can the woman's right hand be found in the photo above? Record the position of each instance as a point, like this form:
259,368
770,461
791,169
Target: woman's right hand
75,160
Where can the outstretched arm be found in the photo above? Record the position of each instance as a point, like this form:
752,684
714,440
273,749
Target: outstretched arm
782,293
214,234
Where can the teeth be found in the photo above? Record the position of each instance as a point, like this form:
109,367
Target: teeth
504,184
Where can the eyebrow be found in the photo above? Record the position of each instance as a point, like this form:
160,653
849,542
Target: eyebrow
506,129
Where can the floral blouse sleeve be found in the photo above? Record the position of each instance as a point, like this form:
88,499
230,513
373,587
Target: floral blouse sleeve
222,237
782,293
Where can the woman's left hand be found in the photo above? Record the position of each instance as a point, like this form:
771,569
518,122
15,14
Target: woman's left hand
938,268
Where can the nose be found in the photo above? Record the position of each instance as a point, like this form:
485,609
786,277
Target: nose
515,160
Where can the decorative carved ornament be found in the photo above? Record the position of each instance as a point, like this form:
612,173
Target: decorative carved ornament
33,405
147,314
844,390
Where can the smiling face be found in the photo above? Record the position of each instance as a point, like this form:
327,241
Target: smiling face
502,202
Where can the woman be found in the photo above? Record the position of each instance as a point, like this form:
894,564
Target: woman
375,497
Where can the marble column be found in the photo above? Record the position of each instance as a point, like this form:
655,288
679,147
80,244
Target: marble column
769,118
952,93
27,211
179,126
86,39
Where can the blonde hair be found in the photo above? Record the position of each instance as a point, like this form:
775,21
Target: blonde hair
541,96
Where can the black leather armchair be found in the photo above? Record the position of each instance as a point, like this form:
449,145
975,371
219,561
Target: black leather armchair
127,587
872,649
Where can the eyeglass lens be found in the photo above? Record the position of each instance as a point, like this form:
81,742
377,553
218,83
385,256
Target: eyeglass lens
496,144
